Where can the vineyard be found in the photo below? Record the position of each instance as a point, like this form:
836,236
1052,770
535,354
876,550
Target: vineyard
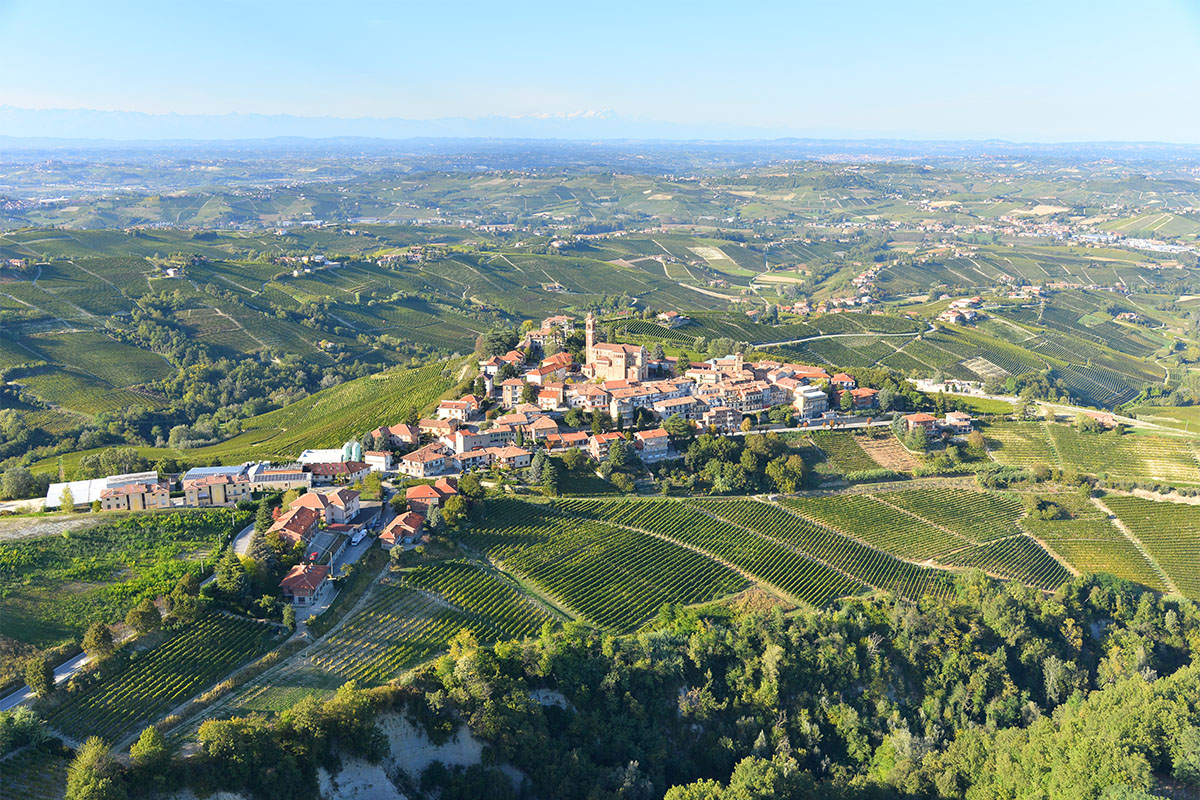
184,664
880,525
1017,557
613,577
784,568
865,564
398,628
1170,532
1021,444
978,516
1166,458
483,595
842,453
1095,545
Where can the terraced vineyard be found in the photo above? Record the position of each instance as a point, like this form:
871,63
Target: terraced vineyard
800,577
1170,532
35,774
613,577
398,628
843,453
1021,444
978,516
184,664
1095,545
1018,557
879,525
1132,455
872,567
482,594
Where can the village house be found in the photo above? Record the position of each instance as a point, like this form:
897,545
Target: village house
653,445
510,391
919,420
426,496
305,584
558,442
599,443
334,505
587,396
957,422
861,398
437,427
404,529
296,525
722,419
461,410
330,472
509,456
380,460
811,402
397,435
216,490
690,408
136,496
843,381
424,462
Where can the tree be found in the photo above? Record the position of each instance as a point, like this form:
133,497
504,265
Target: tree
68,500
747,424
18,482
289,616
39,674
619,456
98,641
454,511
231,576
976,441
470,487
144,618
846,401
93,774
529,393
150,751
262,518
434,520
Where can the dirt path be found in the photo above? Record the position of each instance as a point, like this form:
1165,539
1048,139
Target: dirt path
1136,542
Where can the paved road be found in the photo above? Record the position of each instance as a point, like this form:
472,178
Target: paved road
858,335
61,673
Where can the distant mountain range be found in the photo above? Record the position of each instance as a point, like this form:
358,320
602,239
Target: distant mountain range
24,129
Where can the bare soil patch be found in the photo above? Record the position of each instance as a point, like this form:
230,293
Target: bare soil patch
888,453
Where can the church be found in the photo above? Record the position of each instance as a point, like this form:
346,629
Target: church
613,362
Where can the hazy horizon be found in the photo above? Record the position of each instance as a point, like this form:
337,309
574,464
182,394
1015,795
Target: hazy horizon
934,71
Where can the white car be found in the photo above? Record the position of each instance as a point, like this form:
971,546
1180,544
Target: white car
358,537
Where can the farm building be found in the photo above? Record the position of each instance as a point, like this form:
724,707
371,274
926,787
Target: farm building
88,492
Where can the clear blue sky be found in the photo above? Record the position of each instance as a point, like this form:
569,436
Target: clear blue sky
1049,70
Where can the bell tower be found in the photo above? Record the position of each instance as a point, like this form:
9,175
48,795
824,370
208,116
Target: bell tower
589,329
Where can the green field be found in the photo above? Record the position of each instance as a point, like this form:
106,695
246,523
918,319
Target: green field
324,419
55,586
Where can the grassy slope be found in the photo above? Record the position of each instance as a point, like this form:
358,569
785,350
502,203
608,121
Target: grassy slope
324,419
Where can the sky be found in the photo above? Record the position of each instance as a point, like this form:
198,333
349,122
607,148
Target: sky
1052,70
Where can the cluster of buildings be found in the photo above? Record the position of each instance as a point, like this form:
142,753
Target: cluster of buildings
961,311
619,380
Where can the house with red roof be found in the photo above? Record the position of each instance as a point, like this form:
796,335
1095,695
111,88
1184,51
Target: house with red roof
296,525
653,445
334,505
426,496
305,584
919,420
404,529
